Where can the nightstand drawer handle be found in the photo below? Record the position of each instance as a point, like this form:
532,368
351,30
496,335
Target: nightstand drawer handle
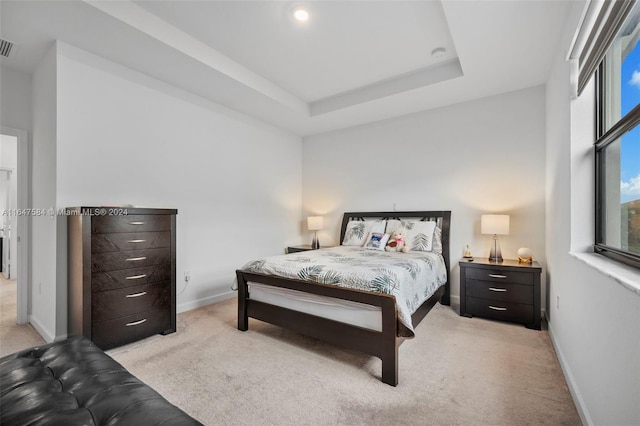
136,223
497,308
142,293
497,276
136,241
497,289
136,322
135,277
136,259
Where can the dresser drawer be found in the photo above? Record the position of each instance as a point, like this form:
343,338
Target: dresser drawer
504,311
129,259
112,304
500,275
120,331
500,291
130,223
111,280
104,243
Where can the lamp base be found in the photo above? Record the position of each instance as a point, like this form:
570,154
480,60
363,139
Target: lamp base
495,255
315,244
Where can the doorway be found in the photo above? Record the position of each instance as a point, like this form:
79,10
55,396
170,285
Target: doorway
8,205
14,219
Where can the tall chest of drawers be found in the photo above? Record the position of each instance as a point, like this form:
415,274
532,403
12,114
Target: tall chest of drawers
507,291
121,273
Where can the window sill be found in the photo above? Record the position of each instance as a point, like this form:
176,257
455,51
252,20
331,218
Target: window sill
626,275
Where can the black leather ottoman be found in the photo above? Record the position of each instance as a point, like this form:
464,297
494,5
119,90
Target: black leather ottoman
73,382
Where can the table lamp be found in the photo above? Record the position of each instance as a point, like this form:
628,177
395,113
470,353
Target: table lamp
495,224
315,223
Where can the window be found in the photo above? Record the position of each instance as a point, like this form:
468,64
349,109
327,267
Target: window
617,145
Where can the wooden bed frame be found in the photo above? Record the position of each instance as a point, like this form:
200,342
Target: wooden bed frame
382,344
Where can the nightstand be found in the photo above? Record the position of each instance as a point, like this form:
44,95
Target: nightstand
296,249
506,291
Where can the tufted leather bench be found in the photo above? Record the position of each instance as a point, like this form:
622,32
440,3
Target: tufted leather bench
73,382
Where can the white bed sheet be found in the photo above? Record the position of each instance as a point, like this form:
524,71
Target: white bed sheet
345,311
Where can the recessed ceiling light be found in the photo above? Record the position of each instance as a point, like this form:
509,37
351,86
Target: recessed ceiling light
300,14
438,52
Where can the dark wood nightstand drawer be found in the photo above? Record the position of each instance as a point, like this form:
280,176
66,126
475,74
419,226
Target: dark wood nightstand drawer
500,275
504,311
508,291
504,292
113,304
130,223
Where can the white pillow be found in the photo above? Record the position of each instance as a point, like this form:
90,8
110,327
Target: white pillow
376,241
392,225
419,236
437,240
357,231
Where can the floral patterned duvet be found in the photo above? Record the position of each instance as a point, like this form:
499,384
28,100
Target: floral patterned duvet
411,277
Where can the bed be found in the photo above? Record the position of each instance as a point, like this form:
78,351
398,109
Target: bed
299,292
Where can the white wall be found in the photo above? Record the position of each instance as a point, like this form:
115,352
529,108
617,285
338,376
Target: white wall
593,320
471,158
124,138
15,99
44,289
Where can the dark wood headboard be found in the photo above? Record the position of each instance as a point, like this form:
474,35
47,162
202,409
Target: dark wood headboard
442,219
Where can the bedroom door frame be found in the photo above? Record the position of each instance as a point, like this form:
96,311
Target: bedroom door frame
23,223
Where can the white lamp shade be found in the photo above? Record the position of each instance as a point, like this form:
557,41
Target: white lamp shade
315,223
494,224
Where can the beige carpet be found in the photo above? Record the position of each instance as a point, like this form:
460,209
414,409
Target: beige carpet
13,337
456,371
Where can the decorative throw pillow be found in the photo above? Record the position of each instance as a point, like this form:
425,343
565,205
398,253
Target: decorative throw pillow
437,240
393,224
420,234
358,230
376,241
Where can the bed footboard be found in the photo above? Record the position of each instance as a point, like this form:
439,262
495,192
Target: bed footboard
382,344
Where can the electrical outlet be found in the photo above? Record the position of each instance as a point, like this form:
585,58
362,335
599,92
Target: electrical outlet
187,276
39,288
557,302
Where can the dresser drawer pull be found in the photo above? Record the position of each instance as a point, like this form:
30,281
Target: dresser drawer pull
131,324
497,308
497,276
136,223
135,277
142,293
136,241
497,289
136,259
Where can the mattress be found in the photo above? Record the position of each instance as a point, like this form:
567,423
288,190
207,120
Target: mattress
345,311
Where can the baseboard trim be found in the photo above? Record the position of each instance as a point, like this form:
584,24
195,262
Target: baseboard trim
194,304
42,330
573,389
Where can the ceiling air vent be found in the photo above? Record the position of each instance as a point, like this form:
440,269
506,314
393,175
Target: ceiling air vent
5,48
